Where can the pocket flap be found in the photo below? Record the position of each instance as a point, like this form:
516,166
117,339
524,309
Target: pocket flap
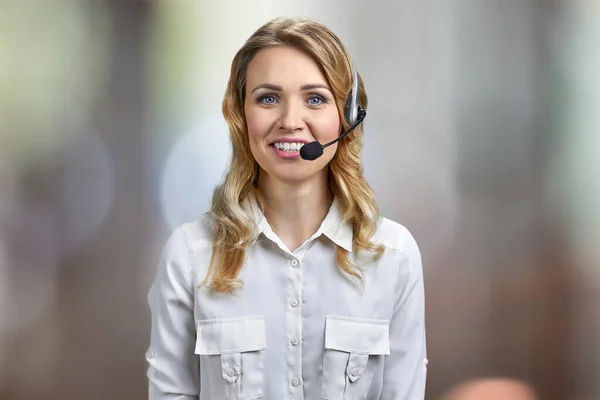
230,335
357,335
356,366
231,365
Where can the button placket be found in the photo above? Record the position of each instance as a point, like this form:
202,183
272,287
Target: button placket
294,328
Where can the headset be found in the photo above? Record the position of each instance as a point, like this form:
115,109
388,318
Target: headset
353,114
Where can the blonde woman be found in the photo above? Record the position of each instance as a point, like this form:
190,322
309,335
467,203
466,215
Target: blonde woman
292,286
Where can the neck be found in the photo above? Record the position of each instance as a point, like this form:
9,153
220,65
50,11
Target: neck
295,210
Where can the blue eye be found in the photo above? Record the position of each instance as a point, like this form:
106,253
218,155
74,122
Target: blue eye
316,101
267,99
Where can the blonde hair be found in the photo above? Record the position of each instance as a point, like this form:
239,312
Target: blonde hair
233,225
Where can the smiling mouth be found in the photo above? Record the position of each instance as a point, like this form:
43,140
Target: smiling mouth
288,147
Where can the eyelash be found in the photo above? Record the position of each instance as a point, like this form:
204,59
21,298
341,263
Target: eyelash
323,100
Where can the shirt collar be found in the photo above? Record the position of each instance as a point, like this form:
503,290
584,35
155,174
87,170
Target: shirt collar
333,226
338,231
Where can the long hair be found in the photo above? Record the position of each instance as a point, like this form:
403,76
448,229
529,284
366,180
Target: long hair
233,225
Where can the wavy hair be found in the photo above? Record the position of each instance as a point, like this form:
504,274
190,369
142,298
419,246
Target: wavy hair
233,225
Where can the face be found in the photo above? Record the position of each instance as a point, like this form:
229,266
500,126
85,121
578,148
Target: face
289,103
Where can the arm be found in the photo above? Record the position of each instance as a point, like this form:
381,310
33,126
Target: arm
173,372
405,369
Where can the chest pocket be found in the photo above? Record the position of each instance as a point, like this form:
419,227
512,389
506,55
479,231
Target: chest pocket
351,348
232,352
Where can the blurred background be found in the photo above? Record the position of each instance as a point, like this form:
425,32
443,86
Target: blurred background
483,138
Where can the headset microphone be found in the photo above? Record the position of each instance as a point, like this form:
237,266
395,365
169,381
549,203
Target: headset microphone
354,115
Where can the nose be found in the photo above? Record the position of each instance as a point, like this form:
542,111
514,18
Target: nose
291,118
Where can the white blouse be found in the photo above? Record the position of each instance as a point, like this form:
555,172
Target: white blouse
299,328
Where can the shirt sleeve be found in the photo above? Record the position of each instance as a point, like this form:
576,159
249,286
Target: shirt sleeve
405,369
173,372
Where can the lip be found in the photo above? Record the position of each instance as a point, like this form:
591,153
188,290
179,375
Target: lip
286,155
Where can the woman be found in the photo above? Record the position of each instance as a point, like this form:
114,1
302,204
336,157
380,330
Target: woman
292,286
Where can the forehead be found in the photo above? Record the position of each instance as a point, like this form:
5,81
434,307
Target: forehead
284,66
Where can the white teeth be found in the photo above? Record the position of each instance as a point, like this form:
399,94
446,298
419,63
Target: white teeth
286,146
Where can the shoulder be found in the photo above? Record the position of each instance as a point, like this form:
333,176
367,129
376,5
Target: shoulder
184,242
197,234
395,236
404,250
187,239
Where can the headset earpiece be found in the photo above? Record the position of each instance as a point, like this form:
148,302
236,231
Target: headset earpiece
351,110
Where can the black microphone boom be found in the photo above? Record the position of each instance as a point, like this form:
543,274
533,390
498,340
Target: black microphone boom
313,150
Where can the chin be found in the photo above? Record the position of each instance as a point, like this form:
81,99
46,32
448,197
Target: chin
290,173
295,171
291,176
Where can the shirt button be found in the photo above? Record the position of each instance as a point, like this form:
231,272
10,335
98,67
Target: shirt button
295,382
294,263
295,341
230,372
294,303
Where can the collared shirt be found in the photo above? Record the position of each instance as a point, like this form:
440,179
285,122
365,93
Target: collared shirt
298,329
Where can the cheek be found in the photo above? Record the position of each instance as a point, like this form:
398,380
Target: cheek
254,126
258,129
328,127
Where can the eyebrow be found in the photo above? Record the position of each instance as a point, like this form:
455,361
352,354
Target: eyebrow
279,88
